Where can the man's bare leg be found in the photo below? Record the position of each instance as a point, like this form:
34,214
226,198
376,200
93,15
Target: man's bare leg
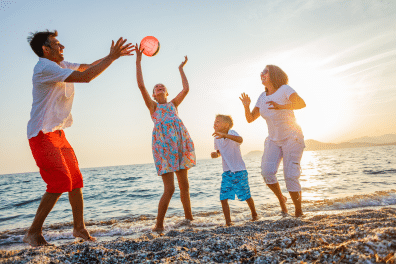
34,236
77,203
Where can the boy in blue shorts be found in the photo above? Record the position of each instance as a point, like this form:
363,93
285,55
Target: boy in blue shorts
235,177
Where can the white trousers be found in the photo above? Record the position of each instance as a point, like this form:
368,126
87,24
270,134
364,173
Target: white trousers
290,150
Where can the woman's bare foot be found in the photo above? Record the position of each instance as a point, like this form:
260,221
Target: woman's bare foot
84,234
283,204
35,240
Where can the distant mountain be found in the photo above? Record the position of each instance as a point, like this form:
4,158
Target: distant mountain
384,139
254,153
310,144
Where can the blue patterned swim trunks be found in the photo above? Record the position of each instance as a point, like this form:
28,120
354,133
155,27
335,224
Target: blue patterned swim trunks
235,183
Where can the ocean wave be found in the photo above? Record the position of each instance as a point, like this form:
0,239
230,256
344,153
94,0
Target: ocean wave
379,171
379,198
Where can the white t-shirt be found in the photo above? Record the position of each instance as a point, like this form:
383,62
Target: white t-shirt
281,123
52,97
230,152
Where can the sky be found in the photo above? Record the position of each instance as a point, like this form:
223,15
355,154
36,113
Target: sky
340,57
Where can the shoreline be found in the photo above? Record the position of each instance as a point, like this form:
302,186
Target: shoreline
356,236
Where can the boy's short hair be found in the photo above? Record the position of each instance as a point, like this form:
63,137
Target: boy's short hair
227,119
39,39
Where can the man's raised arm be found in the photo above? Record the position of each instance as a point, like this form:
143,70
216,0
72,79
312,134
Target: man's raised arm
89,73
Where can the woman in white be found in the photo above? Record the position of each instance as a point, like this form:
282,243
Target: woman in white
285,138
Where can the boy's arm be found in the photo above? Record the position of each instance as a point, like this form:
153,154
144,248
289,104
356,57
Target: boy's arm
215,154
238,139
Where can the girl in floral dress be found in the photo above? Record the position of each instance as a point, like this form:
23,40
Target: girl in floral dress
173,149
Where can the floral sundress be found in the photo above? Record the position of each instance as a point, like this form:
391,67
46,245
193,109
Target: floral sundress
173,148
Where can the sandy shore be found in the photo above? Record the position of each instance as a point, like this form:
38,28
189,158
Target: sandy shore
364,236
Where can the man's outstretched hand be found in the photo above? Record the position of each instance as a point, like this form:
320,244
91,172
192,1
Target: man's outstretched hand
121,49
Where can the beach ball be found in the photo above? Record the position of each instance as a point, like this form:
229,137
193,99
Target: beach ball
150,45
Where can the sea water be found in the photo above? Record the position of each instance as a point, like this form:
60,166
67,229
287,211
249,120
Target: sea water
123,200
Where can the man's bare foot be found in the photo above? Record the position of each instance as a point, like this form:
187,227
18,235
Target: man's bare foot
84,234
36,240
229,224
158,229
254,217
283,204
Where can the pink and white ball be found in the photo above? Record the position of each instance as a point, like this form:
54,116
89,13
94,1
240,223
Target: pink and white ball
150,46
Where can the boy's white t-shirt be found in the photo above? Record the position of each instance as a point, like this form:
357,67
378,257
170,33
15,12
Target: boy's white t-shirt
281,123
52,97
230,152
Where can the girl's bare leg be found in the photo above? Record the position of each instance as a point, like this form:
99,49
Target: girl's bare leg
282,199
169,189
182,178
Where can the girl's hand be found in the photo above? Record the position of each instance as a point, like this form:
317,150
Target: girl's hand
219,135
245,100
183,63
138,53
214,155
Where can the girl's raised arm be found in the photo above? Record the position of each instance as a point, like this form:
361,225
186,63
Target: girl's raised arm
139,77
180,97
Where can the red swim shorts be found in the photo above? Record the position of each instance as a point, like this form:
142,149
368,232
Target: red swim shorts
57,162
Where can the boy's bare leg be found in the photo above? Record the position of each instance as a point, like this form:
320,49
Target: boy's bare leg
169,189
34,236
226,212
250,202
296,197
77,203
282,199
182,178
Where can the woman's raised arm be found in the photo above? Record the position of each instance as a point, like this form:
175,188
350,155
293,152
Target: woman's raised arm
250,116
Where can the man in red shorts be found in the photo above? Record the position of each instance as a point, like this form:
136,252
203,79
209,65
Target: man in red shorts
53,93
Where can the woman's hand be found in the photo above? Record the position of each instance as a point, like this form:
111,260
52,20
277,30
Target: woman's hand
245,100
276,106
183,63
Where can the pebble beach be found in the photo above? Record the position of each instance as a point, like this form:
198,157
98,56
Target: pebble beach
360,236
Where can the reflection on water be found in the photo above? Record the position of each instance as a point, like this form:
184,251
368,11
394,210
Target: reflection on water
135,190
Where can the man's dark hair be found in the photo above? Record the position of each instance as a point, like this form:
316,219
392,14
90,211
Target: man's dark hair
39,39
